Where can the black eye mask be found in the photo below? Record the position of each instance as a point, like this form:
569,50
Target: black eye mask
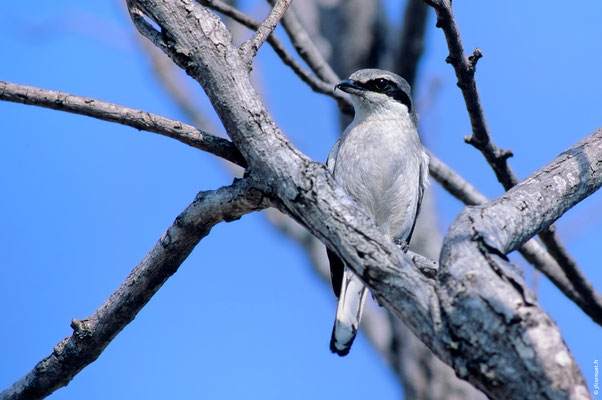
389,88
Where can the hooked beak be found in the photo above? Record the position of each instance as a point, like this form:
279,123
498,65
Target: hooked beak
349,86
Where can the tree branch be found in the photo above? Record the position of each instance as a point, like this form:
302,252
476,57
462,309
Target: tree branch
93,334
465,68
592,301
264,30
547,194
316,84
585,297
481,236
454,183
306,48
122,115
507,319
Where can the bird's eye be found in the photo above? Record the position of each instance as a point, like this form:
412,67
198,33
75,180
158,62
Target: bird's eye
381,84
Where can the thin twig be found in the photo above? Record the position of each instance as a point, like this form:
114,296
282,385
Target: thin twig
250,48
316,84
138,119
306,48
454,183
465,68
93,334
592,299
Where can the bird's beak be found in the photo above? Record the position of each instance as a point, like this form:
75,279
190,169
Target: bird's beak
349,86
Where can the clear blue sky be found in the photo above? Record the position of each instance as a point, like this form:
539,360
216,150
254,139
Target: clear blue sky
246,317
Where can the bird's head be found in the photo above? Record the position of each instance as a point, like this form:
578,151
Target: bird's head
378,91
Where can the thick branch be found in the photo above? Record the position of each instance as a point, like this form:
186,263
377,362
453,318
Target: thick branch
542,198
585,297
93,334
424,376
480,237
122,115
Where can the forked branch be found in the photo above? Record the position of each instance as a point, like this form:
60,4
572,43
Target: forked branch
264,30
480,138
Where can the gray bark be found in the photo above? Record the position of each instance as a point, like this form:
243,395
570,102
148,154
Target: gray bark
138,119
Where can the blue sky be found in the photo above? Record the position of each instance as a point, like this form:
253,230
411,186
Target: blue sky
245,316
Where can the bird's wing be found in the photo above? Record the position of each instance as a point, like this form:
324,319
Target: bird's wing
336,264
336,272
332,156
423,183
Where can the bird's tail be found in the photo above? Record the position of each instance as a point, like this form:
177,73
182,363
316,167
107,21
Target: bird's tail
349,313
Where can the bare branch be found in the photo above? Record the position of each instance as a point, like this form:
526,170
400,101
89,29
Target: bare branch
316,84
592,301
585,297
122,115
93,334
306,48
250,47
352,34
465,68
454,183
481,236
424,375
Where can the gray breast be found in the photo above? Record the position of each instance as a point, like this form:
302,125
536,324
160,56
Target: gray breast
378,165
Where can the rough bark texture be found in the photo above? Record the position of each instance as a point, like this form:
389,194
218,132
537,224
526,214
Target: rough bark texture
532,250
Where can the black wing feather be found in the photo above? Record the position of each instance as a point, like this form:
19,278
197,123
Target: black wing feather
336,272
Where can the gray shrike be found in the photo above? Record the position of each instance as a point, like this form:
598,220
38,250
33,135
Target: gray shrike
380,162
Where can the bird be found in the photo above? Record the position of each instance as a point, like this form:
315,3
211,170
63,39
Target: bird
380,162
